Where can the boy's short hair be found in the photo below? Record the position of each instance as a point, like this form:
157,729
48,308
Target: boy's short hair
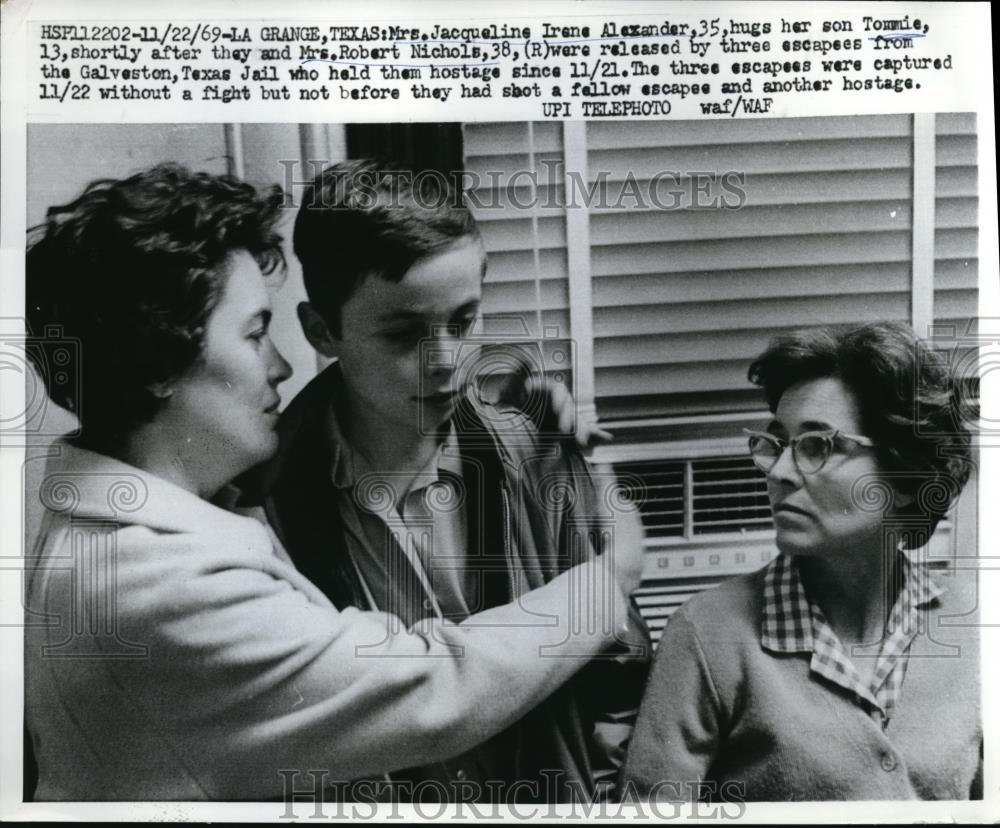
367,217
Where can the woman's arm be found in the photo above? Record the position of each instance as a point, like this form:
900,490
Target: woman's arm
249,673
676,735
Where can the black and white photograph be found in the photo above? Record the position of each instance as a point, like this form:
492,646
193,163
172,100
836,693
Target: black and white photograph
747,287
481,469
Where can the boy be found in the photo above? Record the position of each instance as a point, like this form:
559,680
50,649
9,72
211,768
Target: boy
444,504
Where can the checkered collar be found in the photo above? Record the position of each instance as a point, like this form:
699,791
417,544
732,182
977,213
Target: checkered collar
793,624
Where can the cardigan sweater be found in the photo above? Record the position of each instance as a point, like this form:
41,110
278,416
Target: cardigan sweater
726,720
172,652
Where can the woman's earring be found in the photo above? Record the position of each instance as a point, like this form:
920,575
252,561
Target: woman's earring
161,390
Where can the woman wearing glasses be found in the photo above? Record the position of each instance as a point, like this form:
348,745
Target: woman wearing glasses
828,674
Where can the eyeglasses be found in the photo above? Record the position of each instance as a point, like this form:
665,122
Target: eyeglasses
810,450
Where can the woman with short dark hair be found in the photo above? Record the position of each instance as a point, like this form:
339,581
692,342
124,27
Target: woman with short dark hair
827,674
132,270
172,651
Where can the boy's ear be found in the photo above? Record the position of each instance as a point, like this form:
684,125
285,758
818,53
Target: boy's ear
317,331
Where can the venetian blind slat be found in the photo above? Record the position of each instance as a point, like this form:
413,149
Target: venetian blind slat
956,236
684,298
516,197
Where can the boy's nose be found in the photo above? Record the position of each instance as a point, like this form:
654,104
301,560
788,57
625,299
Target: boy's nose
281,368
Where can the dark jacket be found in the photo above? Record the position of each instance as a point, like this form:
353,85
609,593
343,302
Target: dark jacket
531,513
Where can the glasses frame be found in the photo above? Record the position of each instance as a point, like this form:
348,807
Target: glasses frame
828,437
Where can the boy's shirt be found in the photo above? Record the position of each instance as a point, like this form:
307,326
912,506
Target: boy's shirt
342,531
423,516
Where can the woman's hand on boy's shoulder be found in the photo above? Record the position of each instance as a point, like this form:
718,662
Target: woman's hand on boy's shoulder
554,411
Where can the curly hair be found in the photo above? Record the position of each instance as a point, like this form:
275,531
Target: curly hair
132,269
911,404
368,217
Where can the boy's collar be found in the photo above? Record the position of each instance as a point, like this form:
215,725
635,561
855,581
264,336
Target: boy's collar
346,465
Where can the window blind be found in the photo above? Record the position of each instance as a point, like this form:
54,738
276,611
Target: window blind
956,236
684,298
515,193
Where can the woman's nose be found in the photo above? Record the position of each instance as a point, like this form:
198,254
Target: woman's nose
784,469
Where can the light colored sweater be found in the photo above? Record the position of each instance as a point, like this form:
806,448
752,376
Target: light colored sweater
172,653
758,726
